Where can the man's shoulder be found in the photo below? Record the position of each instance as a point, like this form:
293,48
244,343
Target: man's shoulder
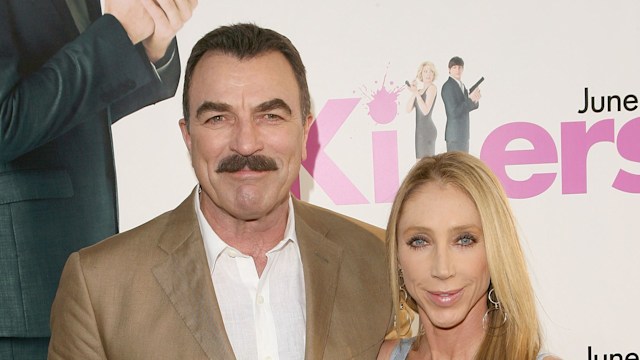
134,240
450,82
335,224
143,240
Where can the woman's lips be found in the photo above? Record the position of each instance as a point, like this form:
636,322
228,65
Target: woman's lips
445,298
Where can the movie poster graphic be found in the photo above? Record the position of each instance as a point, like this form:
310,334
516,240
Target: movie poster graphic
546,93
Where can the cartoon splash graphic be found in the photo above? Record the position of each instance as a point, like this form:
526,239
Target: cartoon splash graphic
383,103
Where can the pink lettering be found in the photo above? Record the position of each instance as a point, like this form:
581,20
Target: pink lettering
495,154
320,166
629,148
574,156
385,165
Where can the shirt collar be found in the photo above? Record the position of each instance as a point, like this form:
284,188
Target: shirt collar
214,245
456,80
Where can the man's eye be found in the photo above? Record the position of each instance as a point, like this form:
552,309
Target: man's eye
271,117
216,119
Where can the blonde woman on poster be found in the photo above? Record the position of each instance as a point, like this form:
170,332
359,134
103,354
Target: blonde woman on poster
422,100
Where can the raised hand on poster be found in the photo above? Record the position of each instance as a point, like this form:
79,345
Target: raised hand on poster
152,22
168,17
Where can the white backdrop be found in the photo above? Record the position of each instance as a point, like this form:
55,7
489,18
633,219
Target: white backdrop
537,58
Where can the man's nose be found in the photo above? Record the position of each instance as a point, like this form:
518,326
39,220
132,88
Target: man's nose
247,139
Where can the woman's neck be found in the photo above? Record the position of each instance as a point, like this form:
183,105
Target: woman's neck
460,342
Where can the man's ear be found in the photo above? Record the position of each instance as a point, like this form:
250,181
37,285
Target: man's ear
306,127
186,136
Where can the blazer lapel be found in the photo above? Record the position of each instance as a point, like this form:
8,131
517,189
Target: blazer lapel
186,279
321,260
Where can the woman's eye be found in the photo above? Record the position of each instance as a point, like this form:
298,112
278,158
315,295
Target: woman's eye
417,242
466,240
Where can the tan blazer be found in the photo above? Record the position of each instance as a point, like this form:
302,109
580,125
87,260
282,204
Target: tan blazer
147,293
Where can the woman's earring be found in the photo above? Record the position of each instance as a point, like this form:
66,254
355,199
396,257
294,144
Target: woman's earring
406,319
496,310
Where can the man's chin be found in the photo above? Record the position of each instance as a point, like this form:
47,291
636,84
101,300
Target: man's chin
254,206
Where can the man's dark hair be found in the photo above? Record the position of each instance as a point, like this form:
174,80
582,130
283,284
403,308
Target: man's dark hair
245,41
456,60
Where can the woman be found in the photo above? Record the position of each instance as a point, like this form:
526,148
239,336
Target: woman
456,260
422,100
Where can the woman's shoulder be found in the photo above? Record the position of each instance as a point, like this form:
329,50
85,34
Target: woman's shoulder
387,348
547,356
396,349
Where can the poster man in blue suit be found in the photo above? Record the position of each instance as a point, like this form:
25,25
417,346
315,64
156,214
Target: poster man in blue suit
68,70
458,103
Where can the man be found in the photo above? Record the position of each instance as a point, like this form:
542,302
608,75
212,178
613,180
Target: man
240,269
457,104
67,72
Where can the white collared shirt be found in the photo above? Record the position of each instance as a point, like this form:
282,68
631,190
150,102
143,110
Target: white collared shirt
264,317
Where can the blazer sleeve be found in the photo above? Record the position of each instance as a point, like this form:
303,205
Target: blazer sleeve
99,71
162,87
74,330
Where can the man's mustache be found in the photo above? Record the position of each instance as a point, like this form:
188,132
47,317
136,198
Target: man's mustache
233,163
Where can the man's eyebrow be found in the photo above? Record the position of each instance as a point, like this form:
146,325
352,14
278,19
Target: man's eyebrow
212,106
273,105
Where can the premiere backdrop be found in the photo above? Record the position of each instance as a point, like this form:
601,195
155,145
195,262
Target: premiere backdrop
558,121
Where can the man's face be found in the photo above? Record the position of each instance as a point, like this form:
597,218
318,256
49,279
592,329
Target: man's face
245,110
456,72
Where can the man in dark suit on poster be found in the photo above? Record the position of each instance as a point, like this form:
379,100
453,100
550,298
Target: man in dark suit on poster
458,103
67,72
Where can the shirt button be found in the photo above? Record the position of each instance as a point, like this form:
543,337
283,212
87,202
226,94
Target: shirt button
260,300
233,253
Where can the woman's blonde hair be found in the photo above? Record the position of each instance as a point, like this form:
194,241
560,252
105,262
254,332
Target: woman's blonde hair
431,67
519,337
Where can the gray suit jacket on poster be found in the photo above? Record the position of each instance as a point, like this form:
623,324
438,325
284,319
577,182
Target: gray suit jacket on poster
457,105
59,94
147,293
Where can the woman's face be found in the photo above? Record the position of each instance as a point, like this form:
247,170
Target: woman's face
427,74
441,252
